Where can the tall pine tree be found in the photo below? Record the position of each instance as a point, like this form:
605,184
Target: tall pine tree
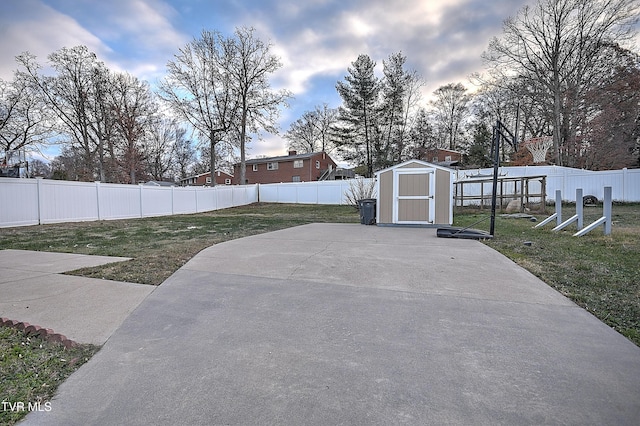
357,116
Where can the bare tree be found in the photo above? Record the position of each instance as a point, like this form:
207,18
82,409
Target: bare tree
250,65
450,108
559,43
609,122
133,109
310,133
302,134
76,95
160,142
201,87
184,154
24,120
38,168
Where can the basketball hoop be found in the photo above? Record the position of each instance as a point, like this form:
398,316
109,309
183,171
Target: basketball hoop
538,147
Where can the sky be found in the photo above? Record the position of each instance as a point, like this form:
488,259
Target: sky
316,40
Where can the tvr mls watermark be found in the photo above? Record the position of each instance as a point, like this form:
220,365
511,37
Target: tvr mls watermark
19,406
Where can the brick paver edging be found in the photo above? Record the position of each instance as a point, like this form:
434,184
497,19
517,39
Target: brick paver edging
46,333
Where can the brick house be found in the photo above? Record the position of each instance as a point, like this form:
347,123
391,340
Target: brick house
438,156
289,168
204,179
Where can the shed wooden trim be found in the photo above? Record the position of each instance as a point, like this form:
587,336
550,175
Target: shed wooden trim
415,192
407,199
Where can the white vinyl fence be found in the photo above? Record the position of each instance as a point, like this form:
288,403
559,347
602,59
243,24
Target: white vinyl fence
625,183
40,201
323,192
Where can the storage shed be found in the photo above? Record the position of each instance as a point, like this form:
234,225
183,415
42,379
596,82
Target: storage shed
415,193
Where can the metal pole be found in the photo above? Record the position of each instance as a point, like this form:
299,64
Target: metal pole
515,134
579,208
496,163
607,210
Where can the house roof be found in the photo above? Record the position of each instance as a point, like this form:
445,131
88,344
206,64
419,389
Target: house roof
159,183
283,158
206,174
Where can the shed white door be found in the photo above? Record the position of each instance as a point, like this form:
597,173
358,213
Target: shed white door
413,196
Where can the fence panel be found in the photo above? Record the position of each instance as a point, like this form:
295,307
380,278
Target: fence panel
38,201
155,200
224,198
118,201
269,192
64,201
184,200
323,192
333,192
18,202
632,184
245,194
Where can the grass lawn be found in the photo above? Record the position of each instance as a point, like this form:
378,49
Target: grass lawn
161,245
31,370
600,273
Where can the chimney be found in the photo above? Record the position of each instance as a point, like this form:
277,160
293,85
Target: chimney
291,152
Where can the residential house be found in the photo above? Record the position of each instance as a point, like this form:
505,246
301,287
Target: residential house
204,179
439,156
289,168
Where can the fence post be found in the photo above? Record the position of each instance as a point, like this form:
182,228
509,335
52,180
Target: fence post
141,203
625,178
39,181
98,200
172,201
579,207
607,210
559,206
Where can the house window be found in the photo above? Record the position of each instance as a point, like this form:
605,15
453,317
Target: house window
435,159
447,158
297,164
255,167
272,166
296,179
317,164
227,181
208,180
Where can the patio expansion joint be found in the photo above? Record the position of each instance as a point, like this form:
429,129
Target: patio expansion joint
303,261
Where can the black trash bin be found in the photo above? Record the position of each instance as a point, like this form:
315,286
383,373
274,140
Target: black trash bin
367,209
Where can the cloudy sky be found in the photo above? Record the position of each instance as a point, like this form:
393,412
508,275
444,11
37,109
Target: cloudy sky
316,39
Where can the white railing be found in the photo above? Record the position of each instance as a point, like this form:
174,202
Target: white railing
41,201
625,183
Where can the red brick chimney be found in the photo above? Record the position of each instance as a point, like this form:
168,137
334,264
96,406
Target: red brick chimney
291,152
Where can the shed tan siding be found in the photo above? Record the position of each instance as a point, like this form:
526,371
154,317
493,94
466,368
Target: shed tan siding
411,165
418,200
413,210
444,196
413,185
385,197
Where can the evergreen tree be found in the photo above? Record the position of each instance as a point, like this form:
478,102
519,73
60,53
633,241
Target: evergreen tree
357,116
480,151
